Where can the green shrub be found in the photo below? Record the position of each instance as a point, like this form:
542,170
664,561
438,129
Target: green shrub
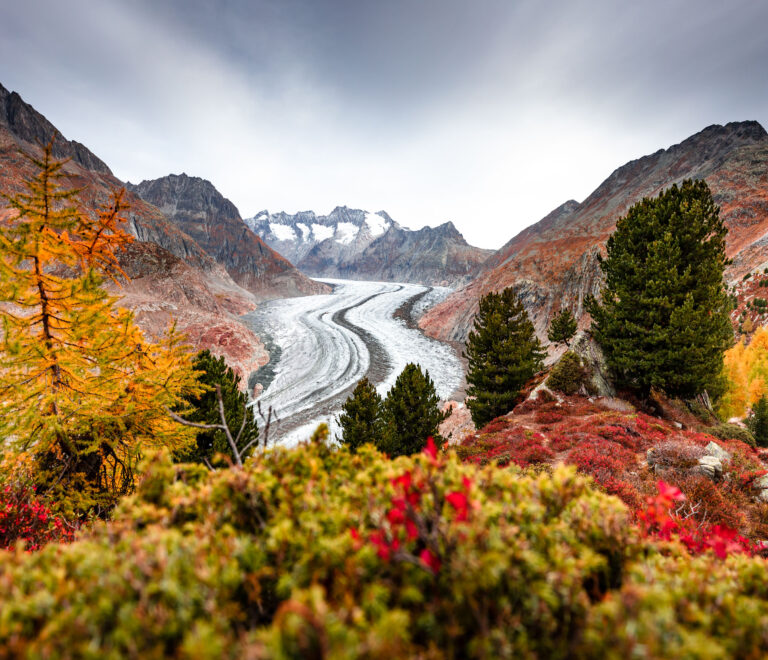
568,375
731,432
198,560
302,554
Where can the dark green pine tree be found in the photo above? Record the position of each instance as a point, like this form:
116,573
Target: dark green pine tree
361,419
503,352
662,318
562,328
757,422
411,414
205,410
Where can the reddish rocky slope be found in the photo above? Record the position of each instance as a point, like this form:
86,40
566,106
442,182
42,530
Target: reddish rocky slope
171,276
554,262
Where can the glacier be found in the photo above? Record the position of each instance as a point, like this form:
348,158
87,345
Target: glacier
329,342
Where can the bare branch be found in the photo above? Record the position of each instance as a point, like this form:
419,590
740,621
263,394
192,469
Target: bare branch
225,428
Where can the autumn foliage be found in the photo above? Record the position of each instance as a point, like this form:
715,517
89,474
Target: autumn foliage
26,517
315,552
82,391
746,369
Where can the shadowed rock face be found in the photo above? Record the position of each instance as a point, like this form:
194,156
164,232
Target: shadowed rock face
171,276
357,245
200,211
554,263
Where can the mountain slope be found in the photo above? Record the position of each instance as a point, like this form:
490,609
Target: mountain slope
554,262
355,244
199,210
171,276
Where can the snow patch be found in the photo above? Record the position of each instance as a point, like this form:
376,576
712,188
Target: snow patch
346,232
376,224
282,232
321,232
305,230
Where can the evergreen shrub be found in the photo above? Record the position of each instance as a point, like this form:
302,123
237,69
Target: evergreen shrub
727,431
569,374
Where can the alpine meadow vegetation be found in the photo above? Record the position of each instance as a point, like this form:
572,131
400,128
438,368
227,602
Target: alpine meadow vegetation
83,393
503,353
315,552
662,317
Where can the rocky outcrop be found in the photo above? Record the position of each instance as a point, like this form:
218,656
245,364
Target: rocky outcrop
554,262
354,244
711,464
203,213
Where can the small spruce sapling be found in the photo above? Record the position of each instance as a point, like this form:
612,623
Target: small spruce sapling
361,419
411,414
563,328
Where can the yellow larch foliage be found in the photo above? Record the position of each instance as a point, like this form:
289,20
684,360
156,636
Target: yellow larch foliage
746,367
82,393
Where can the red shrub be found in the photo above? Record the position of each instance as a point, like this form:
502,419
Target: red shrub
516,445
548,417
718,504
623,435
562,443
26,517
650,428
602,458
625,491
495,425
659,521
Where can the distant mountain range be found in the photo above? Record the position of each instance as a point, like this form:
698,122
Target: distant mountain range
554,263
358,245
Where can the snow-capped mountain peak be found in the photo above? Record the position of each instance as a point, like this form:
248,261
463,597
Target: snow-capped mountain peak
294,236
357,244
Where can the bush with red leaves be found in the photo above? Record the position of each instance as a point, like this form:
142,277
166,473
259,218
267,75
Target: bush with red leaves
24,516
659,521
602,458
515,445
419,517
623,435
496,425
548,417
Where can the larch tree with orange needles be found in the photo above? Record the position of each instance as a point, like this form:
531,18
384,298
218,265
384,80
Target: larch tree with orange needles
82,392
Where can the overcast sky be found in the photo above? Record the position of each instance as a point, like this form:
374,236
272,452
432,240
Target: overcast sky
487,113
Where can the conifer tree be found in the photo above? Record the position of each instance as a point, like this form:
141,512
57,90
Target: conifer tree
757,422
361,418
562,328
662,319
81,391
411,414
204,409
503,352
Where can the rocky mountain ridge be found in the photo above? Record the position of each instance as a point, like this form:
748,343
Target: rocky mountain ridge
202,212
359,245
554,263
